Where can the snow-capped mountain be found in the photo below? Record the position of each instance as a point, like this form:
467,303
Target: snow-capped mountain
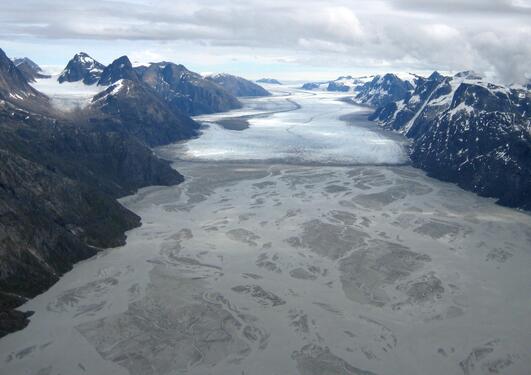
468,131
138,110
391,85
29,69
14,87
385,89
82,67
59,178
341,84
121,68
238,86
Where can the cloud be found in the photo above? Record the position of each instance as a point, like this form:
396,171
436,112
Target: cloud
348,35
478,7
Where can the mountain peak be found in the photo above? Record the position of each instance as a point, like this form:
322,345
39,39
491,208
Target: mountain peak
81,67
29,69
435,76
237,86
27,61
468,74
121,68
14,86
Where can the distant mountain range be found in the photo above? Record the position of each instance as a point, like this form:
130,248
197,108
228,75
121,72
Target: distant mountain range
341,84
463,130
61,172
270,81
238,86
29,69
82,67
189,92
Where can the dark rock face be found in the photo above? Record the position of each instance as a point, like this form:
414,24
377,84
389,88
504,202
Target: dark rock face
29,69
310,86
12,320
27,61
467,131
82,67
397,115
337,86
482,142
187,91
270,81
238,86
58,184
13,84
134,108
60,175
14,87
383,90
121,68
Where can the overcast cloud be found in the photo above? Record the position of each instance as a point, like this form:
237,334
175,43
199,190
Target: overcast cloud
284,38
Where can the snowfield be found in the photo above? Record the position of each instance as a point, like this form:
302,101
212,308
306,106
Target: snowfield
67,96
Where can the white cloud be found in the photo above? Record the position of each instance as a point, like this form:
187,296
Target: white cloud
346,35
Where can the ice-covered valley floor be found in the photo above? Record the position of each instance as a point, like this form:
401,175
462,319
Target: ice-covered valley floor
277,269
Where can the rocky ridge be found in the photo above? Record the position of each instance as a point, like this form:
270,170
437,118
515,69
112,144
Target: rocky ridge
60,175
465,130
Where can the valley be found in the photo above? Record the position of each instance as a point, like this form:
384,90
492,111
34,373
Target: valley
304,243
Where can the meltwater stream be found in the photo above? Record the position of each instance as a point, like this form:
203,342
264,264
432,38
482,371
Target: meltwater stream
321,267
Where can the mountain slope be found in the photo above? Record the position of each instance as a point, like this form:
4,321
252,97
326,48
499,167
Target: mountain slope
60,176
133,107
121,68
384,89
82,67
29,69
468,131
238,86
14,88
187,91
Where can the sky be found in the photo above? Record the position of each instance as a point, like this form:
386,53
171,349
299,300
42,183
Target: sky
289,39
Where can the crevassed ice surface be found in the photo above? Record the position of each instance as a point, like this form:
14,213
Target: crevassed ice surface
275,269
297,127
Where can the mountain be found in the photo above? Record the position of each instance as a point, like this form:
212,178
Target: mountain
133,107
187,91
27,61
58,184
340,84
313,85
468,131
81,67
238,86
29,69
14,88
121,68
60,175
399,115
383,89
270,81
